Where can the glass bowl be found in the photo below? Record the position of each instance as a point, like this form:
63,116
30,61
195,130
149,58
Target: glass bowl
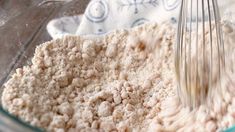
22,28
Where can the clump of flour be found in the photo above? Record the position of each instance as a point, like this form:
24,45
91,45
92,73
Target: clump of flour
120,82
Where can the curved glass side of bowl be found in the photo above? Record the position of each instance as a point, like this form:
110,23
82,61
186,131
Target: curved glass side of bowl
23,27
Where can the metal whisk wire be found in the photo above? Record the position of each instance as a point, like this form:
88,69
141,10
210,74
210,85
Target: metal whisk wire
194,71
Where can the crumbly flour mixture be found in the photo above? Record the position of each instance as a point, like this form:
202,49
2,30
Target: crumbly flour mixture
124,81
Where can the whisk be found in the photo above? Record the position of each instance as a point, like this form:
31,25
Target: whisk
199,52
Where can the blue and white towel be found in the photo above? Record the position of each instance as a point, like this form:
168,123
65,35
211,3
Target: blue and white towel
102,16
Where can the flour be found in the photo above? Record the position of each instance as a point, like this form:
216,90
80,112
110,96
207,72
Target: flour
121,82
